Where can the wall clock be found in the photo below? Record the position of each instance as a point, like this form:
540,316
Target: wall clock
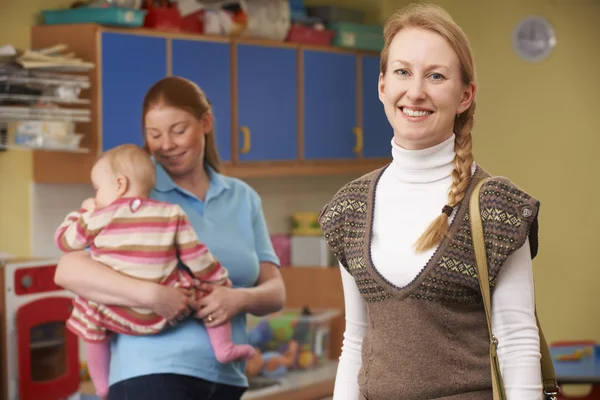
534,39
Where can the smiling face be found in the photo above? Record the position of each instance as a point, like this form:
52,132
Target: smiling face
422,89
176,138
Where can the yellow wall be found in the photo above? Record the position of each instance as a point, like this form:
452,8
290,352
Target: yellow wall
539,125
18,17
15,177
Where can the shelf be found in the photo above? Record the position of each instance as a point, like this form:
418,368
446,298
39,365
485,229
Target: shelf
50,80
21,113
54,149
32,98
246,170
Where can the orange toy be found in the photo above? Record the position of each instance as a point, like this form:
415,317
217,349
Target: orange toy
257,365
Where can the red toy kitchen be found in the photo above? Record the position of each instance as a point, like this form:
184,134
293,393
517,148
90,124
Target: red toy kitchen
40,358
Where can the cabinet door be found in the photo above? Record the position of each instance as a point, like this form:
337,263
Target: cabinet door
329,105
377,131
131,64
208,64
267,79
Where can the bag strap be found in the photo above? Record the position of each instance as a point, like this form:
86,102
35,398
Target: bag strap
550,384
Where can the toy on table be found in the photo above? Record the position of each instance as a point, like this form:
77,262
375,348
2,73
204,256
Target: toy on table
272,364
576,355
282,343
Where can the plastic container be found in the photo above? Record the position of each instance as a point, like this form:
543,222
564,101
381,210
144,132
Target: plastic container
58,135
357,36
307,330
114,16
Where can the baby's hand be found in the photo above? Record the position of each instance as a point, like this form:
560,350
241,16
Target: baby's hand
89,204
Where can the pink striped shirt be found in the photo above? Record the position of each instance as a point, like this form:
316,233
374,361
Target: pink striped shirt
142,238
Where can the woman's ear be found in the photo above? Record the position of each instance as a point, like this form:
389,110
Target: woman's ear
122,185
467,98
207,123
381,87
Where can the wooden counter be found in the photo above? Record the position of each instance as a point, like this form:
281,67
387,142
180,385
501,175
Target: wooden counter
312,384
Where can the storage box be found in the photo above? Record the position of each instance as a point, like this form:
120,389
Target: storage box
105,16
357,36
310,251
305,329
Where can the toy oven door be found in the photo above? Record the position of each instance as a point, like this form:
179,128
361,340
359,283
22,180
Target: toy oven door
47,350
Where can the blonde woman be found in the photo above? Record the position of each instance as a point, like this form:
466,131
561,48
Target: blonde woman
415,325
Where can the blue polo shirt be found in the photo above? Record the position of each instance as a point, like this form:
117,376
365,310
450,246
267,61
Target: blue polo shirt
231,223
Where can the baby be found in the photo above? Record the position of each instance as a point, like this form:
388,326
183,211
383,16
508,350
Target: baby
142,238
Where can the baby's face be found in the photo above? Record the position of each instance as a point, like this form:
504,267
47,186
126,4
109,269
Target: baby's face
105,184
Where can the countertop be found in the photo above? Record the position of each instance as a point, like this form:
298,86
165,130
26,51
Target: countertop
307,384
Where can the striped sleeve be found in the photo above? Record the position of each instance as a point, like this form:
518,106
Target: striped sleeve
192,253
77,231
215,274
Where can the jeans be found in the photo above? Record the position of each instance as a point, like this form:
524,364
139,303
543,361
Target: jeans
172,387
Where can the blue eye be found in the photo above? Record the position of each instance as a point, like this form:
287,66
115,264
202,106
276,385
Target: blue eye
437,77
401,72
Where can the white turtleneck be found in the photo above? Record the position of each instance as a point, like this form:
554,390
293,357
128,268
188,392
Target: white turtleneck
410,194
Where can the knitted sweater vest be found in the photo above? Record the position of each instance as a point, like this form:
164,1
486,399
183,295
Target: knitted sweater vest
429,339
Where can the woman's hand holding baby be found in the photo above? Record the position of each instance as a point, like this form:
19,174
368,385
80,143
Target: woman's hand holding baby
171,303
220,304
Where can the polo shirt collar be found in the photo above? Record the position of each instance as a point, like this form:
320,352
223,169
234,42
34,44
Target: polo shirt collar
164,183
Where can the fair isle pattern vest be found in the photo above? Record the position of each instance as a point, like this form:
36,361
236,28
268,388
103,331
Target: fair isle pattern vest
428,340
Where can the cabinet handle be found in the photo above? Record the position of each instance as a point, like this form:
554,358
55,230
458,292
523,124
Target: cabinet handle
358,147
246,147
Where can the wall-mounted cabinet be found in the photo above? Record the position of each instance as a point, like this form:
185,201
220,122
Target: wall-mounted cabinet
280,108
209,65
128,66
267,102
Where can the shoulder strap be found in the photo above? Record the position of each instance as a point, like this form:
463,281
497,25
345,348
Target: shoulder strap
551,387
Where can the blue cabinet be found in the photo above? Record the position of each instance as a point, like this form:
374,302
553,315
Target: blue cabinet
265,107
377,132
267,103
208,64
130,65
330,102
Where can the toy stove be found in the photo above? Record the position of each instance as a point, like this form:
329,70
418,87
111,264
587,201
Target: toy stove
40,358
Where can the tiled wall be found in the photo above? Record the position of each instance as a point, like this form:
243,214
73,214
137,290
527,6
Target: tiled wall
281,197
50,203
